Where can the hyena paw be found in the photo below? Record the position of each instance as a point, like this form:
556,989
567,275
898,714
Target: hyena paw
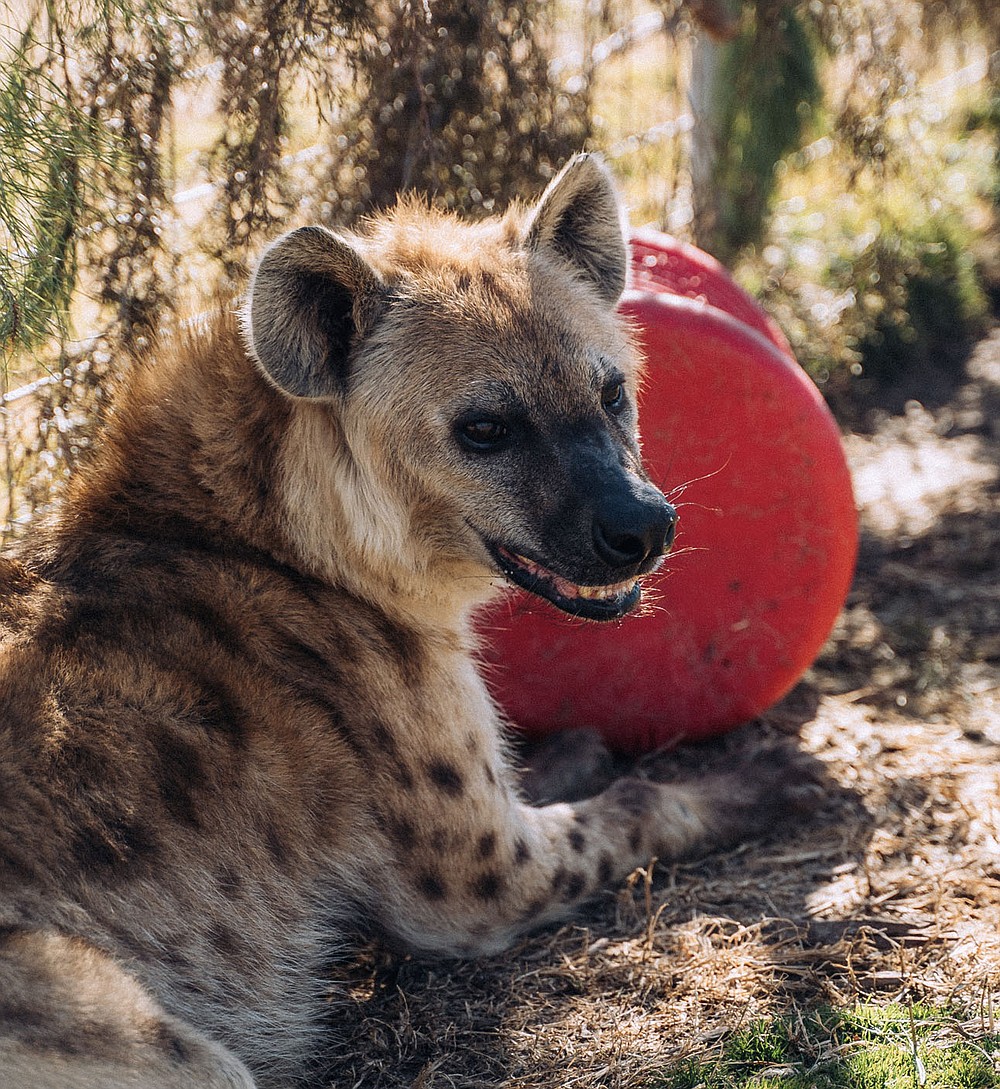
754,795
742,795
566,767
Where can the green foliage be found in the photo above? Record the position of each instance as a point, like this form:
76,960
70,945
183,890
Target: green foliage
47,147
763,1042
864,1047
874,257
921,300
872,285
70,167
762,111
986,118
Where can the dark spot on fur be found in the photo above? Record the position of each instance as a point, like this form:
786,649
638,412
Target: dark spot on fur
535,908
308,663
324,702
581,820
439,841
488,772
558,878
635,838
213,623
472,744
403,645
404,776
402,832
577,840
306,586
24,1022
275,843
522,852
179,774
309,672
174,958
383,738
95,1040
575,884
225,941
86,620
605,870
487,845
230,879
446,777
220,709
488,285
117,844
22,713
84,759
19,860
431,885
488,885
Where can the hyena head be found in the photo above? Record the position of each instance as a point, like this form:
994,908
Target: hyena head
481,393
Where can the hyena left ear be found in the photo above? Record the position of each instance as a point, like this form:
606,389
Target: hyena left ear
311,299
579,219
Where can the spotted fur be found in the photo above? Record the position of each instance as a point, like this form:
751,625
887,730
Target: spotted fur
240,713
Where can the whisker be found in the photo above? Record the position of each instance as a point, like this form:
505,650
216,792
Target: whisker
680,489
665,569
697,506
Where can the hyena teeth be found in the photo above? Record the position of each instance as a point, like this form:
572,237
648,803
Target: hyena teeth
567,589
603,592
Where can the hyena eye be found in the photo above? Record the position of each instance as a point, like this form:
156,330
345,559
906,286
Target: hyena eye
613,397
481,435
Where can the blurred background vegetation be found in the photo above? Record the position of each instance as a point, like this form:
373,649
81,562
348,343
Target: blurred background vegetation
842,157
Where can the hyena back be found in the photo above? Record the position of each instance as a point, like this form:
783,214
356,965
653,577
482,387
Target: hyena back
239,706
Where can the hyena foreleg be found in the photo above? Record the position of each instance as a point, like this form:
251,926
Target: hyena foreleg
510,867
74,1019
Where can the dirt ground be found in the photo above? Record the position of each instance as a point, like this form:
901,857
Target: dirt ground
890,891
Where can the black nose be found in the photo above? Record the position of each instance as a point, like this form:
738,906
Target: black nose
628,538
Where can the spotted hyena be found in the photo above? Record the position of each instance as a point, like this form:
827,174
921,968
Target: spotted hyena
239,705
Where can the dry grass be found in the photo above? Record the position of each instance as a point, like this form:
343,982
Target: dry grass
891,892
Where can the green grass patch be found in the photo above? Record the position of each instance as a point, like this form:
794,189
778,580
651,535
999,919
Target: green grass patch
865,1047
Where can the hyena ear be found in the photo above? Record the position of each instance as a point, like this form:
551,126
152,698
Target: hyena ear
312,297
580,220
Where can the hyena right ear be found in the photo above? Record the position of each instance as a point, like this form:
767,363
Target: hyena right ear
311,298
579,220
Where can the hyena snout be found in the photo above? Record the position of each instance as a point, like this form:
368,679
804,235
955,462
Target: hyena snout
633,529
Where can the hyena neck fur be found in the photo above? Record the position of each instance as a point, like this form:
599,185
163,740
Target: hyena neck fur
382,552
254,472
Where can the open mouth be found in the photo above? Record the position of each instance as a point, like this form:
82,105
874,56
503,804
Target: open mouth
593,602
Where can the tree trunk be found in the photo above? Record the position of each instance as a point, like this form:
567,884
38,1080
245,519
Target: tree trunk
706,141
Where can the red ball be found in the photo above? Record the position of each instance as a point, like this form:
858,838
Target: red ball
663,264
738,436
